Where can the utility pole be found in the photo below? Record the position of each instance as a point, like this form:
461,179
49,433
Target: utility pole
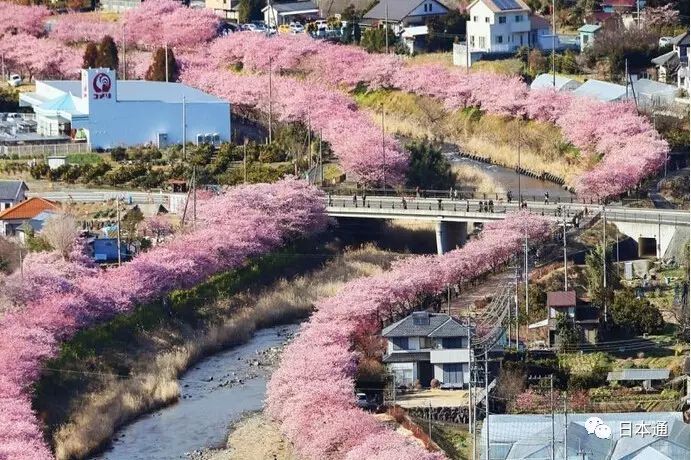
471,403
551,407
309,142
166,62
486,405
21,263
321,159
526,271
519,173
184,128
386,26
626,74
429,421
566,428
244,160
516,306
467,53
117,207
604,259
124,53
383,146
271,116
194,196
566,267
554,45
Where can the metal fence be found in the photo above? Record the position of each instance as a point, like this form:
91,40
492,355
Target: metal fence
33,150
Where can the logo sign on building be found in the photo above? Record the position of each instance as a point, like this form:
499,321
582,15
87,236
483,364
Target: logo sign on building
101,85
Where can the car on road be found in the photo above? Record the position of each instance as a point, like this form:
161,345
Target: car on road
284,29
14,80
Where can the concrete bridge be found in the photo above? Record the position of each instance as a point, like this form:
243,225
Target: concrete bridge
653,229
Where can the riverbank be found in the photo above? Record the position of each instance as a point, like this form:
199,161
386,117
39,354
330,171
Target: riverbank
109,375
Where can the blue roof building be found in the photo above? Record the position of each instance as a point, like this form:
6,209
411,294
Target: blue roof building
587,35
111,112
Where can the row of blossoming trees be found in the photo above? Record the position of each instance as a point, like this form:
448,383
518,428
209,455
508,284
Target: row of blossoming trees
62,297
312,392
623,146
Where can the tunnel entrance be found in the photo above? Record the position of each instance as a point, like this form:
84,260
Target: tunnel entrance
647,247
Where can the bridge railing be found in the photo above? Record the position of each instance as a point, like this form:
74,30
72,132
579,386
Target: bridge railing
461,193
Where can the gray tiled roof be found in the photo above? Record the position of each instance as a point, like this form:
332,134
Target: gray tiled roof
638,374
9,189
407,327
398,9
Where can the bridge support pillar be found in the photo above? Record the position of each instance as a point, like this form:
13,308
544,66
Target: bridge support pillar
450,235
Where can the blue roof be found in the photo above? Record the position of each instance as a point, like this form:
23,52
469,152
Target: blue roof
602,90
142,90
64,103
590,28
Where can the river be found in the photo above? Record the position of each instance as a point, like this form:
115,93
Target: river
215,393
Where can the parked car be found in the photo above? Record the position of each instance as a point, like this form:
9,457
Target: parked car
664,41
296,28
361,400
284,29
14,80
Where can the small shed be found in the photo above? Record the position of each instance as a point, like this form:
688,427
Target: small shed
414,38
587,34
105,250
645,376
651,93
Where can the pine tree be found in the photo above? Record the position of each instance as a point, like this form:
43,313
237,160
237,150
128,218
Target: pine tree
90,56
107,53
157,69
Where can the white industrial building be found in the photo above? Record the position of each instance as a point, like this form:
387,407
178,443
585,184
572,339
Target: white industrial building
111,113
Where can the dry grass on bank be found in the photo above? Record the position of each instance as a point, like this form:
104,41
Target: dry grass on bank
154,378
483,183
543,148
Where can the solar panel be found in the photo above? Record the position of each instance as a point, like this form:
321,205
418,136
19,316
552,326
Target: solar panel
507,4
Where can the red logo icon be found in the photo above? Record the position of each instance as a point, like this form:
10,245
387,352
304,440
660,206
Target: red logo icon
102,85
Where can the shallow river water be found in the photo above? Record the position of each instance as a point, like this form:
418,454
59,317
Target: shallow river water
212,399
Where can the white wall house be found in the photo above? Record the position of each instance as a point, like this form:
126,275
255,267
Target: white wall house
111,112
400,14
426,346
498,26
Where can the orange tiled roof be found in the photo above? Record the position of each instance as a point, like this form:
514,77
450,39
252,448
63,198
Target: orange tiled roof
27,209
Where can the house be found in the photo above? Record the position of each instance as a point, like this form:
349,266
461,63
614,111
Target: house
399,14
16,216
12,192
414,38
227,9
35,224
557,82
587,34
276,14
529,436
644,376
587,318
674,65
602,90
425,346
502,26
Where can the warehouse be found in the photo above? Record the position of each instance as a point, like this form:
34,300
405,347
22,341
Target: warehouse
110,113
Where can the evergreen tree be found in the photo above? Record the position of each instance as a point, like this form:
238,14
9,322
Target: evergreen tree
593,269
90,56
157,69
107,53
428,168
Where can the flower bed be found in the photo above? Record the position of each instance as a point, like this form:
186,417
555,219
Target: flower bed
312,392
246,222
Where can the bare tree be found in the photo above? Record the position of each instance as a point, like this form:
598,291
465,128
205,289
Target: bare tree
61,232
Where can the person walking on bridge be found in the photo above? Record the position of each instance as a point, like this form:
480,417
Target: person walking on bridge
355,199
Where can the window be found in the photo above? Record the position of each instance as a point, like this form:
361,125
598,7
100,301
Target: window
487,20
474,18
472,40
502,19
400,343
519,18
451,342
481,41
500,39
425,7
